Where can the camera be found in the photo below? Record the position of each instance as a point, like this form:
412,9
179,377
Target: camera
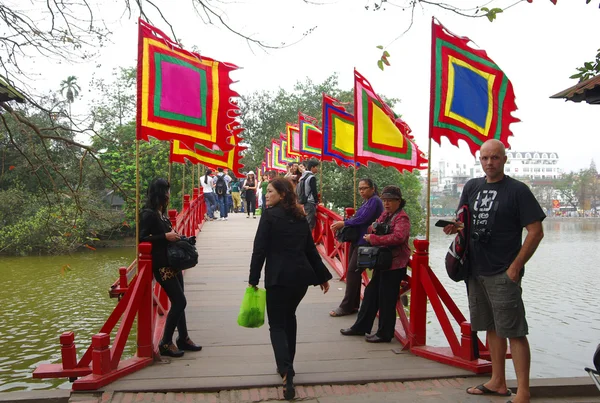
481,235
381,228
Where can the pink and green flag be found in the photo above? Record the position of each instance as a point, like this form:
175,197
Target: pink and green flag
311,137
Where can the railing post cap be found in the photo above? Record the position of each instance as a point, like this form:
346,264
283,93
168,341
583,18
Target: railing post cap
123,268
101,340
465,328
172,213
145,249
67,338
421,245
186,197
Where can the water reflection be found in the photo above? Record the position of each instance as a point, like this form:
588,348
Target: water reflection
559,289
40,301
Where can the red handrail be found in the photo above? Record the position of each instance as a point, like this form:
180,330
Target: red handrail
101,363
422,284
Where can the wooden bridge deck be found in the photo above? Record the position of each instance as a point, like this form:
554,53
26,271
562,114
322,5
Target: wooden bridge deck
236,357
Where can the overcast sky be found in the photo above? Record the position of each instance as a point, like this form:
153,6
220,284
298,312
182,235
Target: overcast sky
538,46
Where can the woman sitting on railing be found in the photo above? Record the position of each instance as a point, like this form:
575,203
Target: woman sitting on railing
362,219
381,294
155,227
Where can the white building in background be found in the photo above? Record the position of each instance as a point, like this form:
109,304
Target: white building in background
533,165
450,177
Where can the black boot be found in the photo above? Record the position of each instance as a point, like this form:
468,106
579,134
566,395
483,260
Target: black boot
170,350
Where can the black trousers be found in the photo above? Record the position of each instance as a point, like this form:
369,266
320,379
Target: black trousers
176,316
381,294
281,309
250,202
351,300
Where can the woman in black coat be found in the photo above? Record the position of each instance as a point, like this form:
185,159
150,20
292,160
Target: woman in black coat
155,227
284,239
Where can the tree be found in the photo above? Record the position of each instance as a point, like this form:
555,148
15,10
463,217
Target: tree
70,90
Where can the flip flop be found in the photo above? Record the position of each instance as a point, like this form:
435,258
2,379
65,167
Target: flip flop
338,312
486,391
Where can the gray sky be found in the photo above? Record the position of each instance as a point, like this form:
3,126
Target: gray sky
538,46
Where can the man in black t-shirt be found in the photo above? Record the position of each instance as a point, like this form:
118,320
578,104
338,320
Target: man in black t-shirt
500,208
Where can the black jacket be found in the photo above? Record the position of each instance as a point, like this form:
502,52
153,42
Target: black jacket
287,245
153,229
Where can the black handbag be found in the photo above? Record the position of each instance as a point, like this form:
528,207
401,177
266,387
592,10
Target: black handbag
182,254
347,234
374,257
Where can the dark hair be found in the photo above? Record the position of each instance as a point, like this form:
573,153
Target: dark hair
311,164
290,164
289,200
208,172
395,193
157,195
220,169
371,184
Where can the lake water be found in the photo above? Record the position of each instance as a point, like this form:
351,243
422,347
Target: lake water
44,296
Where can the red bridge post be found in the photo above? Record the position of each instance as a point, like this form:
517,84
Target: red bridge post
145,331
101,354
68,351
418,297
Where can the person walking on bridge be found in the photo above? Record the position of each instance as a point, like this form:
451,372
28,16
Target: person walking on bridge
284,240
500,208
155,227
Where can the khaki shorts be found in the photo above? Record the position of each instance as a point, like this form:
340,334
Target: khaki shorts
495,303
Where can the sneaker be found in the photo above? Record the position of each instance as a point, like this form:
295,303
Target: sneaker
225,218
188,345
247,216
254,217
170,350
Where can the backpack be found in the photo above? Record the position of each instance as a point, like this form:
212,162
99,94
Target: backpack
301,190
456,258
221,185
235,187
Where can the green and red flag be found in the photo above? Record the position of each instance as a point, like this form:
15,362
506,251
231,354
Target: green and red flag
381,136
471,97
285,156
211,157
268,159
277,164
181,95
311,137
338,133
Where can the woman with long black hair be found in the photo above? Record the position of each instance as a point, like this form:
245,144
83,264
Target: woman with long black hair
155,227
285,241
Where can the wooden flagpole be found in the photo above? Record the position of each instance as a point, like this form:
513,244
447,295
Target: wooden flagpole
428,215
170,168
193,184
183,185
354,187
137,204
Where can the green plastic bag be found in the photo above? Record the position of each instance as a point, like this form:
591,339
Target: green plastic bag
258,211
252,311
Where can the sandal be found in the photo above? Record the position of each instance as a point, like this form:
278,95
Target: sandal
338,312
486,391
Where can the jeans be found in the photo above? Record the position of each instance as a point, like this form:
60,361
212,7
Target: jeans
223,205
281,310
211,204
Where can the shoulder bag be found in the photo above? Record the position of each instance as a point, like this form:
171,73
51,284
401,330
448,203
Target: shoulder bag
376,257
182,254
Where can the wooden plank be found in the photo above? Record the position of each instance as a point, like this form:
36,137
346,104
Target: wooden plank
236,357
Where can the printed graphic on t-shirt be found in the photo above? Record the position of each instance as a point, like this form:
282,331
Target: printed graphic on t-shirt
483,206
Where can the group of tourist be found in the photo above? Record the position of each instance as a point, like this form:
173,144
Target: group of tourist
501,207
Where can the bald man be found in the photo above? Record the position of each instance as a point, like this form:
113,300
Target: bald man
500,208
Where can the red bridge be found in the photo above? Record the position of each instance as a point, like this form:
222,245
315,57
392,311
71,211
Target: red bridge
235,357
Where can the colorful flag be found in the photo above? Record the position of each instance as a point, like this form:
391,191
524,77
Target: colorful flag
380,135
276,163
471,98
211,157
268,159
293,135
338,132
311,137
182,95
285,157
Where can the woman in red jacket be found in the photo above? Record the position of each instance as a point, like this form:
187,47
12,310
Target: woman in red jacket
381,294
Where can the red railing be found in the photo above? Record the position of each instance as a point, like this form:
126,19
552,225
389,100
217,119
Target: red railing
139,296
422,284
